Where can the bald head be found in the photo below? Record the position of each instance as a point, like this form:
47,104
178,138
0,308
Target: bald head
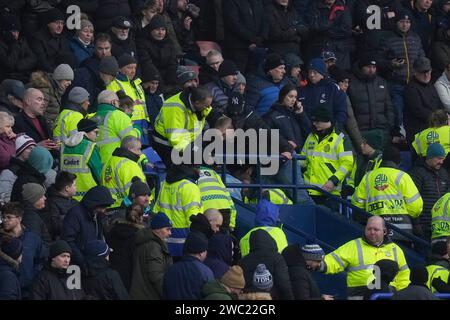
33,102
215,219
375,230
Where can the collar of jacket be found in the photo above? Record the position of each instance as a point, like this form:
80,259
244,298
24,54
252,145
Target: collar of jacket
75,107
60,273
389,164
281,108
124,153
106,107
386,240
321,135
121,77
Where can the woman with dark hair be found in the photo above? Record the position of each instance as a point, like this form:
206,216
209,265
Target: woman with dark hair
287,115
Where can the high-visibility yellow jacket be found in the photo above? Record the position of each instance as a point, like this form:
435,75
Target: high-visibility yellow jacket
276,196
117,175
113,125
440,218
179,201
134,90
436,271
177,125
390,193
275,232
66,123
428,136
357,257
329,158
214,193
83,160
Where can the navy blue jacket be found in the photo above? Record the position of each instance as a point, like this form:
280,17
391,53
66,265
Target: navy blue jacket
87,76
185,279
9,282
325,92
220,256
262,92
154,103
80,52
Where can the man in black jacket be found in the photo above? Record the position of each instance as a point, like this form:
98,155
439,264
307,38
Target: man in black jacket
122,40
432,181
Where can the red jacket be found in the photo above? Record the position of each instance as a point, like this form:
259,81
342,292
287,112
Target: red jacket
7,150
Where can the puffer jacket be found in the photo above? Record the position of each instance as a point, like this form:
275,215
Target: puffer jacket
52,94
442,86
371,102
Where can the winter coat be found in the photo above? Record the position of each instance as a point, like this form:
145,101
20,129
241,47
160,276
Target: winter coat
9,176
110,9
88,77
24,124
154,103
214,290
26,174
17,61
7,150
120,47
80,51
207,74
220,254
331,30
293,127
80,226
151,260
33,221
262,92
420,101
185,279
371,102
51,50
324,92
441,52
245,22
303,284
186,38
103,282
52,94
432,185
160,54
121,239
51,284
9,278
424,24
414,292
398,45
220,94
263,249
442,86
286,29
58,206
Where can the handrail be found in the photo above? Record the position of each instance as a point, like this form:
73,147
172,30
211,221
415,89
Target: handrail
377,296
295,186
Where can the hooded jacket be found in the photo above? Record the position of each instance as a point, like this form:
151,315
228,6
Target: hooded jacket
220,256
103,282
151,260
263,249
121,239
88,77
81,226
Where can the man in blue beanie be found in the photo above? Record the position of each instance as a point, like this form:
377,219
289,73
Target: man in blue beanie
186,278
322,90
432,181
148,274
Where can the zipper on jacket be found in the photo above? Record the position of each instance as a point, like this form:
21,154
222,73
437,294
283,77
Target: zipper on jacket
407,57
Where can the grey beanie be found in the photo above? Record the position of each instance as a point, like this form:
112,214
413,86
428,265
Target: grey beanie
86,23
32,192
240,78
63,72
184,74
78,95
109,65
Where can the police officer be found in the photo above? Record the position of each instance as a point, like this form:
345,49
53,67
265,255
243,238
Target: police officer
329,157
180,121
358,256
390,193
127,82
80,156
179,199
76,109
113,124
122,167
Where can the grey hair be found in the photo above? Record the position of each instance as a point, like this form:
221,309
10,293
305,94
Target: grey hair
213,53
6,118
107,96
129,142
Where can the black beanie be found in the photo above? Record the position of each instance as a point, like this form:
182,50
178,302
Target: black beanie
125,60
9,22
227,68
439,248
322,112
273,60
391,153
54,15
418,275
367,60
139,188
87,125
150,73
58,247
338,74
196,242
157,22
